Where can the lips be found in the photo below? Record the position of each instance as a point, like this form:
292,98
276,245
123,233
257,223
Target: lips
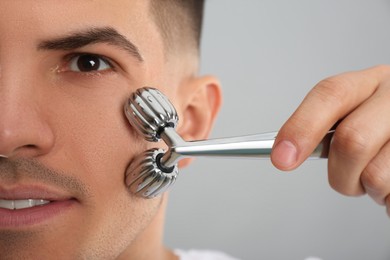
25,206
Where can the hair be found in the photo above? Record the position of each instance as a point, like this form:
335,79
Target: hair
180,24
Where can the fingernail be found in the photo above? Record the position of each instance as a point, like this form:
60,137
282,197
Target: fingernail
284,154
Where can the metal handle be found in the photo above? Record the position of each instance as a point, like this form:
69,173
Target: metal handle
250,146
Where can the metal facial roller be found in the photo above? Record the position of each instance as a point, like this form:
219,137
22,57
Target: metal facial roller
155,118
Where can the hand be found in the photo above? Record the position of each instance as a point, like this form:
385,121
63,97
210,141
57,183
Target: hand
359,157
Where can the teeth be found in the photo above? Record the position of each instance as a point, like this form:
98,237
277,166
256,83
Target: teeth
22,204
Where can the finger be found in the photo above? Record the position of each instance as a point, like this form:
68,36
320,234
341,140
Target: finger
376,176
329,101
357,140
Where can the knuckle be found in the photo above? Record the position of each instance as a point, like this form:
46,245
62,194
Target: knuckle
332,90
297,127
374,177
350,142
347,190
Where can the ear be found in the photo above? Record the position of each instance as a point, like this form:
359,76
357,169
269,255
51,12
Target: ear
201,105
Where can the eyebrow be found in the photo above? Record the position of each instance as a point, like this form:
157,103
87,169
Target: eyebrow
83,38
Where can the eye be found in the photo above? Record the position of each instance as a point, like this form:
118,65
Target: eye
88,63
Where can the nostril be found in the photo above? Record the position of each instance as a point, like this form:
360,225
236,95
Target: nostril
26,147
25,150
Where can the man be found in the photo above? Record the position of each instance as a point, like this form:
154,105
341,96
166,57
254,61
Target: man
67,68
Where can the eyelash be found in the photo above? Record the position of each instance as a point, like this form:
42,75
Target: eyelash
71,60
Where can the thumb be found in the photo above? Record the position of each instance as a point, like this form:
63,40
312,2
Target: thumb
329,101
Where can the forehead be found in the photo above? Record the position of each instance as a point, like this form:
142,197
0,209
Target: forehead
35,20
73,13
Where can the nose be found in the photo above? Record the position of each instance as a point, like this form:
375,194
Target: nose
24,127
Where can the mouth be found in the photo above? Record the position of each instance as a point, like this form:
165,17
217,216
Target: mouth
28,206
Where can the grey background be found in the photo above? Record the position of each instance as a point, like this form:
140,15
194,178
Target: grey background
268,54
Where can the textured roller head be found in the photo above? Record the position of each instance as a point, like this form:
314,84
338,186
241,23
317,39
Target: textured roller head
149,112
144,176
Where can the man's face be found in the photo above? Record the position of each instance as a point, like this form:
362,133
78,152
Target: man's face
65,73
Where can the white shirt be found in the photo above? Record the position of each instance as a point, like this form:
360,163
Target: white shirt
202,255
211,255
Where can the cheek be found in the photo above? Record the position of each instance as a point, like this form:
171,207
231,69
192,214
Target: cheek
93,132
95,142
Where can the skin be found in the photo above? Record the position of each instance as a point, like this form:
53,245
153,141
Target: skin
359,157
65,130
